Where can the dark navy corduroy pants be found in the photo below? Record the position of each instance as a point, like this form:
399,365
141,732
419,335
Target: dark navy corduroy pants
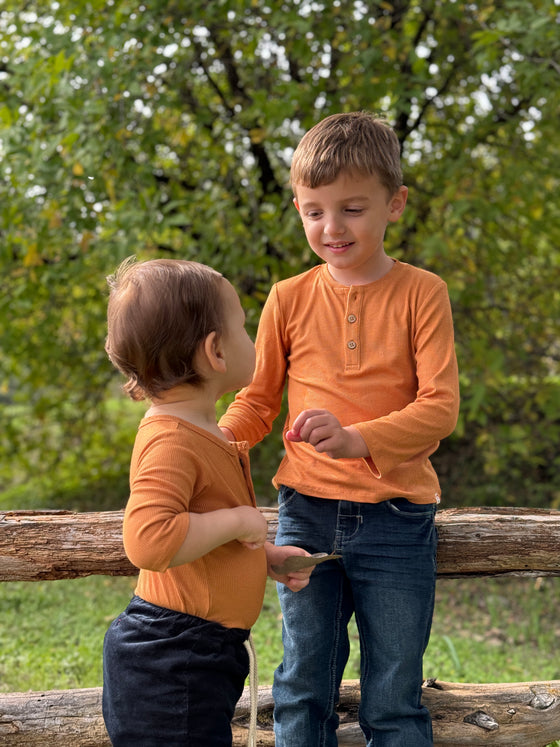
171,679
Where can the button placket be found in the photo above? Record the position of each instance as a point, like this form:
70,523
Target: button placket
352,331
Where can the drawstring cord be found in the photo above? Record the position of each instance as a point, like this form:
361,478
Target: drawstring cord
253,690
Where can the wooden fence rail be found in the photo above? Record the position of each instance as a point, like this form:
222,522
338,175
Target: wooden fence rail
472,542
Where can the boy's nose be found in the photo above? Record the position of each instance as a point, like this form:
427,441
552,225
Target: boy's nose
334,226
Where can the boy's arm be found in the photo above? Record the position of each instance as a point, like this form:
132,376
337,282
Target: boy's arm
419,426
251,415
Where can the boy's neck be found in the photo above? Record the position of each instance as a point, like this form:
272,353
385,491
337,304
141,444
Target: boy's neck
362,276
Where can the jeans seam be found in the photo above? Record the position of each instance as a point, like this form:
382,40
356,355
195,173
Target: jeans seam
333,668
364,669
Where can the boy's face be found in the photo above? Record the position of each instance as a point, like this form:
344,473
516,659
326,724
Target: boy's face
239,349
345,223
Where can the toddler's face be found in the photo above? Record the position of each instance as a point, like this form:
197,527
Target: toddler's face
345,222
239,348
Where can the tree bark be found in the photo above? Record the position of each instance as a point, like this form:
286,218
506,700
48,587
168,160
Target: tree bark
472,542
522,713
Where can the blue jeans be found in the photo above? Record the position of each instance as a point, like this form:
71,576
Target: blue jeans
386,577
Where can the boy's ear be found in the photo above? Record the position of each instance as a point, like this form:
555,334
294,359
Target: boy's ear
213,351
296,203
397,203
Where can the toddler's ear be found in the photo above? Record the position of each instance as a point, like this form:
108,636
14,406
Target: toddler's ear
213,351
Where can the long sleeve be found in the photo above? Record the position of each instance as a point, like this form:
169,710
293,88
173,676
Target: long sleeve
402,434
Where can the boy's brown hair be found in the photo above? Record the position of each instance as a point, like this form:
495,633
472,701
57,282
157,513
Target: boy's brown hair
358,143
159,312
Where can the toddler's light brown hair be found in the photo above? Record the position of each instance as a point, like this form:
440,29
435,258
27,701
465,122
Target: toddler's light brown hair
159,312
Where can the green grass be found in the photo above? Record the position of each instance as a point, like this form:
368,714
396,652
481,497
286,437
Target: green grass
488,630
51,632
484,630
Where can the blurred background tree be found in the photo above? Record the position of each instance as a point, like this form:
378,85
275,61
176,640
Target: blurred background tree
161,131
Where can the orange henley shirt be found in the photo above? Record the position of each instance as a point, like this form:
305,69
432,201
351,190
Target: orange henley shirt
380,357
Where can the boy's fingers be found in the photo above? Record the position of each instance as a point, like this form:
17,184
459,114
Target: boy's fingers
302,419
293,435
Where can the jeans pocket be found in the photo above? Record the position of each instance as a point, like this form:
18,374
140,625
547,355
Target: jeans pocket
408,510
286,496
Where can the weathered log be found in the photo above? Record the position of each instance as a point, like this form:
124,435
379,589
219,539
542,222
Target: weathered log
522,713
41,546
519,713
55,718
498,541
472,542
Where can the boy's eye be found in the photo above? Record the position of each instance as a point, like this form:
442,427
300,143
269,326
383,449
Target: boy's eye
314,214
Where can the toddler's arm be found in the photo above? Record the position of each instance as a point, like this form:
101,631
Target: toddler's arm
210,530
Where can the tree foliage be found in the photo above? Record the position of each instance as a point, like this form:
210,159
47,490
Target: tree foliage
159,131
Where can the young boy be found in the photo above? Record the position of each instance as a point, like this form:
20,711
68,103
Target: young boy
365,346
175,661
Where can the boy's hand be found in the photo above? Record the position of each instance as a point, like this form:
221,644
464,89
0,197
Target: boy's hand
295,580
227,433
254,528
323,431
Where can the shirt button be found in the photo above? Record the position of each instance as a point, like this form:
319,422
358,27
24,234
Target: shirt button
352,345
352,318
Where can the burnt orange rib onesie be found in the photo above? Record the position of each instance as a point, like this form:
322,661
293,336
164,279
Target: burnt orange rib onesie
178,469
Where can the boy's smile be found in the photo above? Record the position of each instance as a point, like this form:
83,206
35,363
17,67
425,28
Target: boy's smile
345,223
